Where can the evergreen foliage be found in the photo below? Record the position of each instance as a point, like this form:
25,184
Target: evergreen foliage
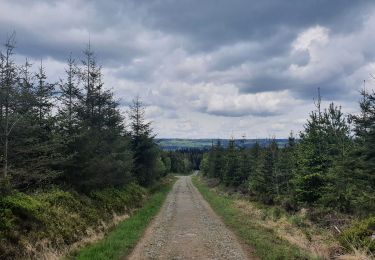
146,153
329,168
71,132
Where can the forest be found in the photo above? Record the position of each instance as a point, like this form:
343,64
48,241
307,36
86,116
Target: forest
73,163
328,169
66,147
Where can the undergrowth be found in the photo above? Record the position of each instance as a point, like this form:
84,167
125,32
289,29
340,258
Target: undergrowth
119,243
266,243
275,233
51,220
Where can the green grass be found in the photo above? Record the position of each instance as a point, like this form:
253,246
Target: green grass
121,241
266,244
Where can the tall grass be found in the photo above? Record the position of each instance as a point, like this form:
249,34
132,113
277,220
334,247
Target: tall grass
264,241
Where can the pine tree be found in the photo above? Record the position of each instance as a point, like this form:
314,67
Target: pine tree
355,182
287,166
8,107
44,99
232,173
144,147
217,169
69,98
98,153
245,165
91,101
313,163
324,142
268,188
36,149
257,181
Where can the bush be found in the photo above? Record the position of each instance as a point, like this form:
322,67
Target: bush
360,235
119,199
276,213
298,221
59,198
6,219
24,206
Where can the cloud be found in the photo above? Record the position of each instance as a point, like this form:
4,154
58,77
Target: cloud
208,68
260,104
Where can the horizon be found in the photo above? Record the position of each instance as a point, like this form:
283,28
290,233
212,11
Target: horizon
211,138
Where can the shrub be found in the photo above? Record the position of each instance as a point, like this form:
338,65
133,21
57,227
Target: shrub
6,219
24,206
298,220
276,213
119,199
360,235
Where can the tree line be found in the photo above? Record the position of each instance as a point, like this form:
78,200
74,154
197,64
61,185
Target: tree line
183,161
329,167
70,132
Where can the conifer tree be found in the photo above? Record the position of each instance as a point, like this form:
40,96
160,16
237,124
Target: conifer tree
8,106
324,142
99,153
355,180
143,145
287,166
69,98
314,162
257,179
232,173
44,99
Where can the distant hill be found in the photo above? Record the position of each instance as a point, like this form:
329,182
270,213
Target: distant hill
177,144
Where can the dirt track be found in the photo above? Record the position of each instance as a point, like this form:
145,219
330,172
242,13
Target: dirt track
187,228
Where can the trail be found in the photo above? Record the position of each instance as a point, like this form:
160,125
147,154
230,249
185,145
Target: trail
187,228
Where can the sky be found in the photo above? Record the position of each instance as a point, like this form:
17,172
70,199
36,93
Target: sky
212,68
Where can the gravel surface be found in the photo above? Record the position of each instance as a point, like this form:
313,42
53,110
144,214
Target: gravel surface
187,228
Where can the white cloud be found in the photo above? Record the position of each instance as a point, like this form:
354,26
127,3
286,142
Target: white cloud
311,37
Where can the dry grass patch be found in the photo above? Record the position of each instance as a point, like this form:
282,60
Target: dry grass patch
301,232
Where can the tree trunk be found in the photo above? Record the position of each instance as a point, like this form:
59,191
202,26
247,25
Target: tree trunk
5,172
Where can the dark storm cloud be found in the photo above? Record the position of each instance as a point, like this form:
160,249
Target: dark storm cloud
213,23
56,28
205,24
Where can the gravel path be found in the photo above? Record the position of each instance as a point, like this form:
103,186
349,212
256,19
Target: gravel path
187,228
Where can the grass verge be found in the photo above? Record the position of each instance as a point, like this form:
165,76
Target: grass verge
265,242
121,241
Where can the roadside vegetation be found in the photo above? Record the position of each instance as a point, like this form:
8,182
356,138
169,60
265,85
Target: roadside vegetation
73,166
119,243
251,228
326,176
49,224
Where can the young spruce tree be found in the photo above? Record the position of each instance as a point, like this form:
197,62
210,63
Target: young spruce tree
145,150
